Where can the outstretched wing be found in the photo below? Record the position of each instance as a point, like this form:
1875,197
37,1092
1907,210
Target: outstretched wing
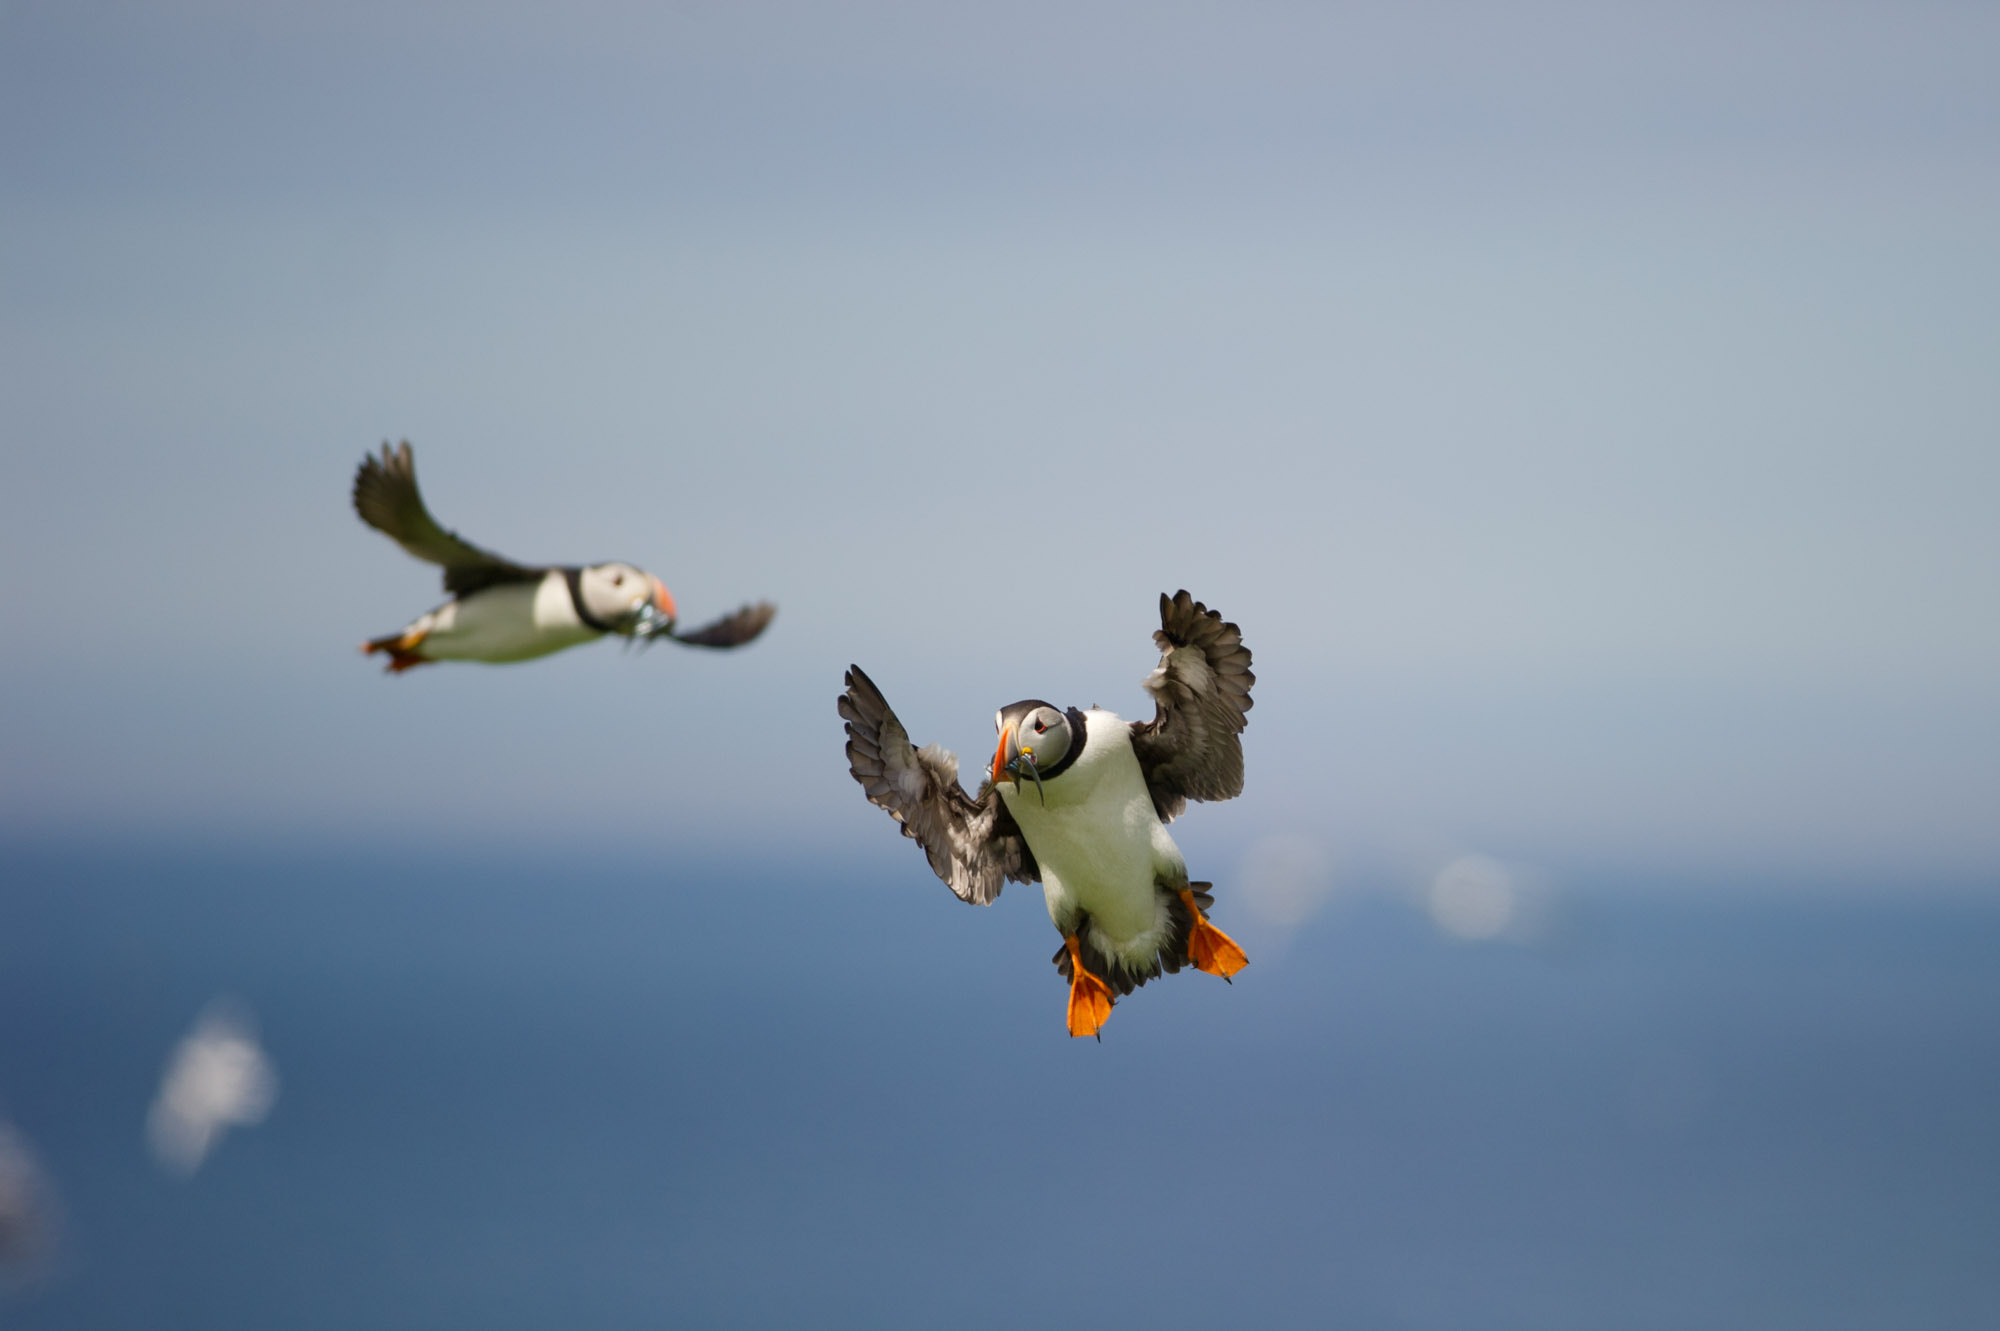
385,495
974,845
733,631
1191,749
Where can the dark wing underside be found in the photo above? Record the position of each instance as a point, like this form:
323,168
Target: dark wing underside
1191,749
733,631
385,495
973,845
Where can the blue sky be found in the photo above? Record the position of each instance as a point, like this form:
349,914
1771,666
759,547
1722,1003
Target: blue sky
1588,415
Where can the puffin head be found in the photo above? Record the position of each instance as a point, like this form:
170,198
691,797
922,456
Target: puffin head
628,598
1034,736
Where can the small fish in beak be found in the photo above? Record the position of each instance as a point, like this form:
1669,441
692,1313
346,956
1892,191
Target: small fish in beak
1027,759
654,617
1009,761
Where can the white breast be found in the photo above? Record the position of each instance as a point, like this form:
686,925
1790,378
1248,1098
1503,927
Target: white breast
510,622
1100,843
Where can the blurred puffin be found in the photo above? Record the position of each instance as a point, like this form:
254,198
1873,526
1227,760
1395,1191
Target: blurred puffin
1091,824
503,611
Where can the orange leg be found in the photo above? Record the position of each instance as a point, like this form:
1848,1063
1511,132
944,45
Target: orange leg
1209,948
402,650
1089,996
401,661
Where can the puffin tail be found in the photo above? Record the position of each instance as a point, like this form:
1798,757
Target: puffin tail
401,648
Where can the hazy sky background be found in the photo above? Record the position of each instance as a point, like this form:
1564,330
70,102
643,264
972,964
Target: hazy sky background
1589,413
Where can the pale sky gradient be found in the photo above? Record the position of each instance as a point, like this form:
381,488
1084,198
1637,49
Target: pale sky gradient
1590,415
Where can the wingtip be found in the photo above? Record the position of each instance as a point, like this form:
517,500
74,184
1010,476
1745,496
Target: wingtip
395,462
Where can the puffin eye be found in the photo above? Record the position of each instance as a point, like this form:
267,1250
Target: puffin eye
617,579
1040,727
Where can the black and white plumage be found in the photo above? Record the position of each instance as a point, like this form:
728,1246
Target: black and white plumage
504,611
1079,801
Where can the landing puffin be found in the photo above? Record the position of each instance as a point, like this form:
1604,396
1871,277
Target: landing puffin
1090,822
503,611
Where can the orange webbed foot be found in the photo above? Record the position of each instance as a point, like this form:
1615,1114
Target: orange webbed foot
1089,996
1209,948
402,650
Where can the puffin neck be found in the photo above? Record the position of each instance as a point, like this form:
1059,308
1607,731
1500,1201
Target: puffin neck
1077,736
574,578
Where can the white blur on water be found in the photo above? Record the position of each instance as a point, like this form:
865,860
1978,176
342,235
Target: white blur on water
1284,880
26,1206
219,1077
1477,899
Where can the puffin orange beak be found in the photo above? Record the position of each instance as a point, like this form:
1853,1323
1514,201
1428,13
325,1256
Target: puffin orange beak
663,600
1000,756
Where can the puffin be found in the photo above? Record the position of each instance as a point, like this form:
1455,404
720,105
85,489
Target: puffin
1079,801
503,611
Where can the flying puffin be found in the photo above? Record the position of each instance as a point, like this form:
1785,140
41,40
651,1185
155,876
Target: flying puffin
1090,824
503,611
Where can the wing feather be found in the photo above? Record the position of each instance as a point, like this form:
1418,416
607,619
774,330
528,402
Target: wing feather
1192,748
974,845
733,631
386,497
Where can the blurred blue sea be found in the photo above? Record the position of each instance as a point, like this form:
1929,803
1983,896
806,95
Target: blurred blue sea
612,1093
